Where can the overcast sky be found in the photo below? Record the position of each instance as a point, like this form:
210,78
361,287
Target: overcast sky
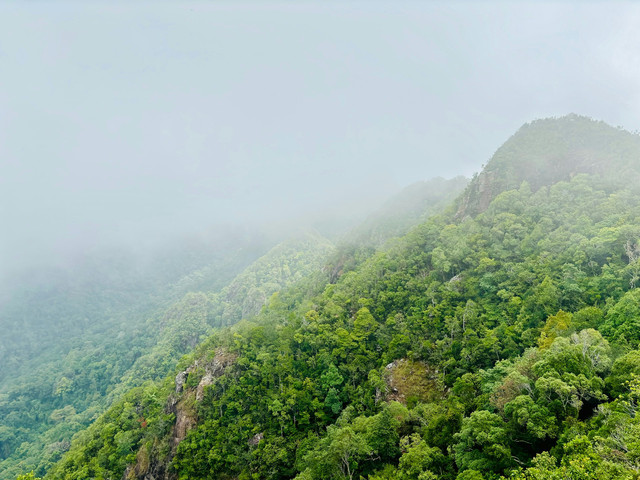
134,120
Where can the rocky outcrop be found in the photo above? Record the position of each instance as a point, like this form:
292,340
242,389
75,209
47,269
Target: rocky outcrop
410,381
256,439
147,468
213,370
186,419
182,404
181,378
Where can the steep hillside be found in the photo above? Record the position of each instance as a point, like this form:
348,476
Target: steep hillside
501,344
119,331
287,263
198,314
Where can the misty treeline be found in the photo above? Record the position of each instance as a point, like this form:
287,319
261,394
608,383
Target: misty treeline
498,338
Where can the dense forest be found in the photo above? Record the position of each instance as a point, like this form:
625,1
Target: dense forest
495,338
77,338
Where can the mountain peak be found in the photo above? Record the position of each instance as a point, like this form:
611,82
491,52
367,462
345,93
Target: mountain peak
550,150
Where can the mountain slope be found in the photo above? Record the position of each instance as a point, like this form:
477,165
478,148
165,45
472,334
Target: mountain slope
71,333
285,264
115,357
410,207
501,343
298,257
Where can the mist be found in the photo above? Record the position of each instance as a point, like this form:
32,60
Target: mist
132,124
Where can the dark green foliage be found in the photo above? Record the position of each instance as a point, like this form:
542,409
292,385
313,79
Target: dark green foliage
483,443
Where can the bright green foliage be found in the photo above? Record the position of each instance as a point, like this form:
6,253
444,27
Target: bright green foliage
556,325
580,462
516,310
28,476
337,456
419,460
623,369
112,442
470,475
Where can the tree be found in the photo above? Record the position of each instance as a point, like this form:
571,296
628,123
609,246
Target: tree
382,435
621,371
336,456
580,462
623,319
556,325
482,443
419,460
27,476
536,420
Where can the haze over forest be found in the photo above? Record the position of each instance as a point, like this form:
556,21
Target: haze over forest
319,240
131,124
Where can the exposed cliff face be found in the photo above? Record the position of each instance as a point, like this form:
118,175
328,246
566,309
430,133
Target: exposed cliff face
190,387
147,468
478,195
552,150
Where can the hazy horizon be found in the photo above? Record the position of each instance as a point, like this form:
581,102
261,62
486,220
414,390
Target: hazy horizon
127,123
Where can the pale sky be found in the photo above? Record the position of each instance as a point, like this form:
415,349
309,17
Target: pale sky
124,121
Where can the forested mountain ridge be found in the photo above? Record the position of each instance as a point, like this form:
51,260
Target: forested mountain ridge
502,342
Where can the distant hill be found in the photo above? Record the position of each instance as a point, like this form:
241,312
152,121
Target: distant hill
69,334
410,207
47,312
